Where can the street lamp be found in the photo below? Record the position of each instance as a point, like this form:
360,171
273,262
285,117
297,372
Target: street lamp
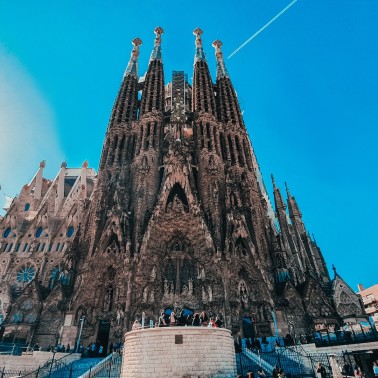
81,330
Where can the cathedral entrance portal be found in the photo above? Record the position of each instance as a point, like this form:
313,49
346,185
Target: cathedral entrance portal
248,327
103,334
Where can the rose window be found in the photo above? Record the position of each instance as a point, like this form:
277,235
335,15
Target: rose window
26,274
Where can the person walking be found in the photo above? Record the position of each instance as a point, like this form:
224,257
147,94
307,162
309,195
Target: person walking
321,371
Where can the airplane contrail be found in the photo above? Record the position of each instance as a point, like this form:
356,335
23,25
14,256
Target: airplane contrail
263,28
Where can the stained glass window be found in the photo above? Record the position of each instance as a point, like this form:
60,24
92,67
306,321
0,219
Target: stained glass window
39,232
7,232
70,231
25,274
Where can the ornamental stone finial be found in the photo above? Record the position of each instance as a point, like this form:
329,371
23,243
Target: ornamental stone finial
42,164
156,51
217,44
135,52
198,32
158,32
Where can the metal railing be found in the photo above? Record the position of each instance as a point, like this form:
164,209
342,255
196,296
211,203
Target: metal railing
345,337
109,367
294,361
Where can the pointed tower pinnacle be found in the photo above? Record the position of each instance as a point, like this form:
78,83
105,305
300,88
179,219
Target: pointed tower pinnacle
221,68
200,54
156,52
132,67
292,205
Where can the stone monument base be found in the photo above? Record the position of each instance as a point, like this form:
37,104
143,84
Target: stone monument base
180,352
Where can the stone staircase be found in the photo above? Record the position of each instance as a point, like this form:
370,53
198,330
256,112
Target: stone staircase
75,369
33,360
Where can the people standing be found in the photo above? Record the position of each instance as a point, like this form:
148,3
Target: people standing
196,320
161,321
321,371
173,319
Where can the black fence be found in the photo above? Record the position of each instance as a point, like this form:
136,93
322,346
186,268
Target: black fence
295,362
86,367
343,337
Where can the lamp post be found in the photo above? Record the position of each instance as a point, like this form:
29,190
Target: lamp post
81,330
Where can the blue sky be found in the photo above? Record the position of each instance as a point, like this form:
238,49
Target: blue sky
308,86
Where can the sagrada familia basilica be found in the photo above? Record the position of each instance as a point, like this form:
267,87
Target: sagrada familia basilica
177,218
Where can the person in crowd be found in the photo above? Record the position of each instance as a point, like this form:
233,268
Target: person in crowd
181,319
173,319
281,373
257,344
189,320
212,323
63,349
68,348
196,320
167,319
237,345
375,368
358,372
161,321
100,350
321,371
275,371
260,373
204,319
218,322
111,347
36,347
136,325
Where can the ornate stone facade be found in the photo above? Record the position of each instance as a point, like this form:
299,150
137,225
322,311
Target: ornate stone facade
178,219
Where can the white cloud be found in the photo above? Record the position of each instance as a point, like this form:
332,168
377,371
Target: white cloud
27,128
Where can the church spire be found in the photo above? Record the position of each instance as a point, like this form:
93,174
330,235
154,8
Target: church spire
221,67
203,89
132,67
294,212
227,101
153,89
125,105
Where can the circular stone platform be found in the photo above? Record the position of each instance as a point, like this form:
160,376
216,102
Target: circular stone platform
180,352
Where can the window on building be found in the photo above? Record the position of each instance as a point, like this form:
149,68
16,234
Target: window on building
70,231
27,207
7,232
39,232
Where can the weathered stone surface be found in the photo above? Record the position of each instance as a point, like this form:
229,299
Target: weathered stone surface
179,352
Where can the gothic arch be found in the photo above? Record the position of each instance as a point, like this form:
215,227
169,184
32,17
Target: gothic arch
176,199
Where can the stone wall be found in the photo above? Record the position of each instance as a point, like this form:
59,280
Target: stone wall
33,360
179,352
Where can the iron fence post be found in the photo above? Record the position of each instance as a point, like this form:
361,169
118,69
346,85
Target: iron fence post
110,367
51,365
36,376
71,370
2,372
90,371
312,364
